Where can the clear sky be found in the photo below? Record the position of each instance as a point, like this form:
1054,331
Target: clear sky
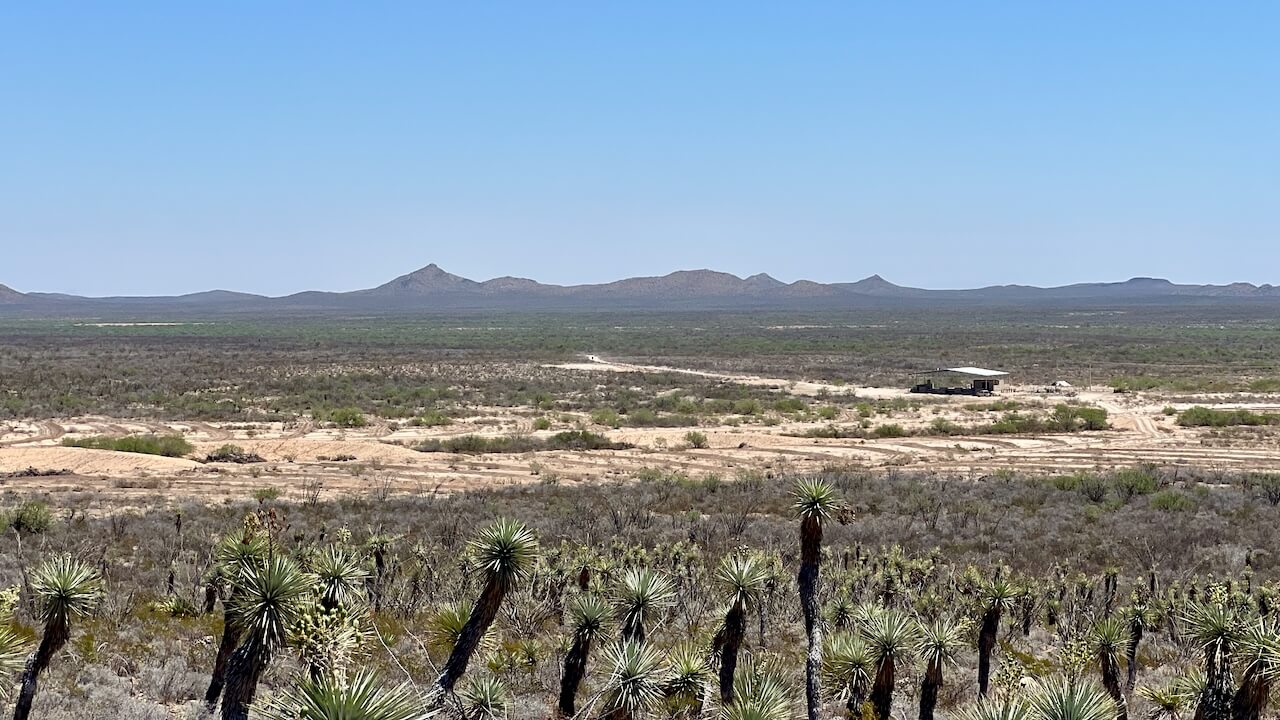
277,146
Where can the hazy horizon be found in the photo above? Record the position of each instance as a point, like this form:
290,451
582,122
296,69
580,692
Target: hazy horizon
159,149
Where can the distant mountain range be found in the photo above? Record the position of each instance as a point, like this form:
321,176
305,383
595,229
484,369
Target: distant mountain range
431,288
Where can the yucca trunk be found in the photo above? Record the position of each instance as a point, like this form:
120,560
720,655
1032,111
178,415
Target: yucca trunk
1250,701
1131,656
929,687
857,696
633,629
882,689
244,671
226,646
56,634
810,561
1216,702
1111,683
986,645
575,667
482,615
735,627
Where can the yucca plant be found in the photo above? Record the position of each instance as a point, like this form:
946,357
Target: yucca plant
504,553
994,598
1214,627
1259,649
588,616
483,698
938,643
13,648
635,682
687,679
891,640
742,577
326,640
814,502
986,709
1059,698
760,693
330,698
1109,641
64,589
242,550
1176,699
847,668
269,601
641,595
341,578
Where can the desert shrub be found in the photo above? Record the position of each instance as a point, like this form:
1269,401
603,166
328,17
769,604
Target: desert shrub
31,518
166,445
606,416
790,405
433,418
1269,484
943,426
265,494
1133,481
1169,410
233,454
479,444
644,417
696,439
1071,418
1092,487
583,440
1200,416
347,418
542,423
889,430
1172,501
746,407
828,412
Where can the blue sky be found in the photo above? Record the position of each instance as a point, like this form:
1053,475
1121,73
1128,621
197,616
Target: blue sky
275,147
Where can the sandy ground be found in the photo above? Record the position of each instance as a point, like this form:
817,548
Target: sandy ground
302,458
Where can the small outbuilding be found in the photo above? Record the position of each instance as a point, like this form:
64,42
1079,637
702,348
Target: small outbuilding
958,381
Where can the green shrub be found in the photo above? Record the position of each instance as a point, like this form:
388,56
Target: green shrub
166,445
1130,482
1200,416
890,430
696,439
746,407
943,426
542,423
1172,501
347,418
31,518
790,405
433,418
233,454
1093,487
266,494
606,416
1269,484
828,412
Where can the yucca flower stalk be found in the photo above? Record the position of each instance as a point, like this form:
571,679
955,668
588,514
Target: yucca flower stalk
814,502
64,589
504,553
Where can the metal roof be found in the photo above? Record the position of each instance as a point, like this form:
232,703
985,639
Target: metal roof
975,371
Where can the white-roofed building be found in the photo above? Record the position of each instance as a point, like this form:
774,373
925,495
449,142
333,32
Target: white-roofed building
967,380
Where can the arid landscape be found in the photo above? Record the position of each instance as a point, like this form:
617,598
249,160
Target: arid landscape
1120,483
